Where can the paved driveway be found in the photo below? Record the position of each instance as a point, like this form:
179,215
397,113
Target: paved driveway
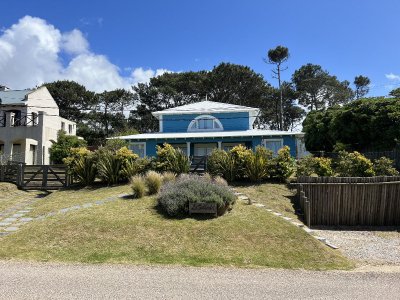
57,281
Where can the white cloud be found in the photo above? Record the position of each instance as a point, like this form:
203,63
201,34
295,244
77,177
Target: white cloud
140,75
74,42
392,77
31,51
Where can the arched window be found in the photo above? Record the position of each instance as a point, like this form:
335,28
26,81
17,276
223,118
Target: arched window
205,123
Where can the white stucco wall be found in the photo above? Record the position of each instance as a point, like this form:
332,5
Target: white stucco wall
35,139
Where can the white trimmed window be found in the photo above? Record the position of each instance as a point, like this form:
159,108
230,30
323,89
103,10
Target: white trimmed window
138,148
205,123
273,144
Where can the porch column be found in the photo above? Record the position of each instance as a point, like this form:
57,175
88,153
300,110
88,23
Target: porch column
188,149
219,145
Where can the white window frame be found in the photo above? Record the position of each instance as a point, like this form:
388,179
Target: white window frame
264,143
203,117
138,143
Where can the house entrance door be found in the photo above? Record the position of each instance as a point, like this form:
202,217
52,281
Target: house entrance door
204,149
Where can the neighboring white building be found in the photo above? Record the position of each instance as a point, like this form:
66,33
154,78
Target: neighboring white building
29,122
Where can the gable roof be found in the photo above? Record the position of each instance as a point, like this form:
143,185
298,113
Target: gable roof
205,107
11,97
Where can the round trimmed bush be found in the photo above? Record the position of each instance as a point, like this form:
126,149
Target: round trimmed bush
174,197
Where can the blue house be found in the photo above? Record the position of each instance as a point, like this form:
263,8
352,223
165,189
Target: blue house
199,128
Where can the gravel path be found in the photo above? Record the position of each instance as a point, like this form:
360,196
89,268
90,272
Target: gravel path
59,281
368,247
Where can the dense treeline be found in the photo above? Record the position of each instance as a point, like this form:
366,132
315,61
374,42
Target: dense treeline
362,125
311,88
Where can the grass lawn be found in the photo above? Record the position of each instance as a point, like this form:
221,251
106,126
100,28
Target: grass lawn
133,231
11,196
274,196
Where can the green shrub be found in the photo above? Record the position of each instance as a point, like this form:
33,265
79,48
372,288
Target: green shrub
115,144
138,186
282,166
109,167
175,197
354,165
85,170
240,155
153,181
323,166
62,148
384,167
305,166
171,159
132,167
221,163
258,164
309,165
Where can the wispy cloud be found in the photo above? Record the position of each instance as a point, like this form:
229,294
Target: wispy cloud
392,77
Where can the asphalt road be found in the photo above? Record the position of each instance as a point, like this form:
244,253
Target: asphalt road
58,281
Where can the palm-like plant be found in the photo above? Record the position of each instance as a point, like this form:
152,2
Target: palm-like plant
85,170
109,168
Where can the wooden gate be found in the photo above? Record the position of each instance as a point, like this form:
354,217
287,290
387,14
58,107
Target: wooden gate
43,177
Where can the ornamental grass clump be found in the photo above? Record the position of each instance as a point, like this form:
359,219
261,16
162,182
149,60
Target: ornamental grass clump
174,197
138,186
153,181
168,177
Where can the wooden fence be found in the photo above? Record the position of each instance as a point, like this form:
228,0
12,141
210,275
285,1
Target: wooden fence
35,177
364,201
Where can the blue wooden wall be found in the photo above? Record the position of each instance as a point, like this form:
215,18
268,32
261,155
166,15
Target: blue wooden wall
254,141
230,121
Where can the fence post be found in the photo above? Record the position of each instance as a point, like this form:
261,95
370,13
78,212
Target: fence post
2,171
20,175
308,212
45,171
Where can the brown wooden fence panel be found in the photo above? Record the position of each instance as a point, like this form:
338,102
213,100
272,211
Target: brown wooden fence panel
35,177
335,201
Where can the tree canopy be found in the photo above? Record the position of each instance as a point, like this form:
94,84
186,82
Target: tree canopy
362,125
317,89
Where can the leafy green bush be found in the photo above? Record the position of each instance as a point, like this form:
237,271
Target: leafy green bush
138,186
354,165
384,167
323,166
282,166
174,197
109,167
62,148
309,165
221,163
258,163
240,155
84,170
305,166
153,181
171,159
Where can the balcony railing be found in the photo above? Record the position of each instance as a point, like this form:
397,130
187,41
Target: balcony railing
28,120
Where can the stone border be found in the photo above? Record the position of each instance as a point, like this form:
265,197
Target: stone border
323,240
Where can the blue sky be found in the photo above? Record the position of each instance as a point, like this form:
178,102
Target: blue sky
347,38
